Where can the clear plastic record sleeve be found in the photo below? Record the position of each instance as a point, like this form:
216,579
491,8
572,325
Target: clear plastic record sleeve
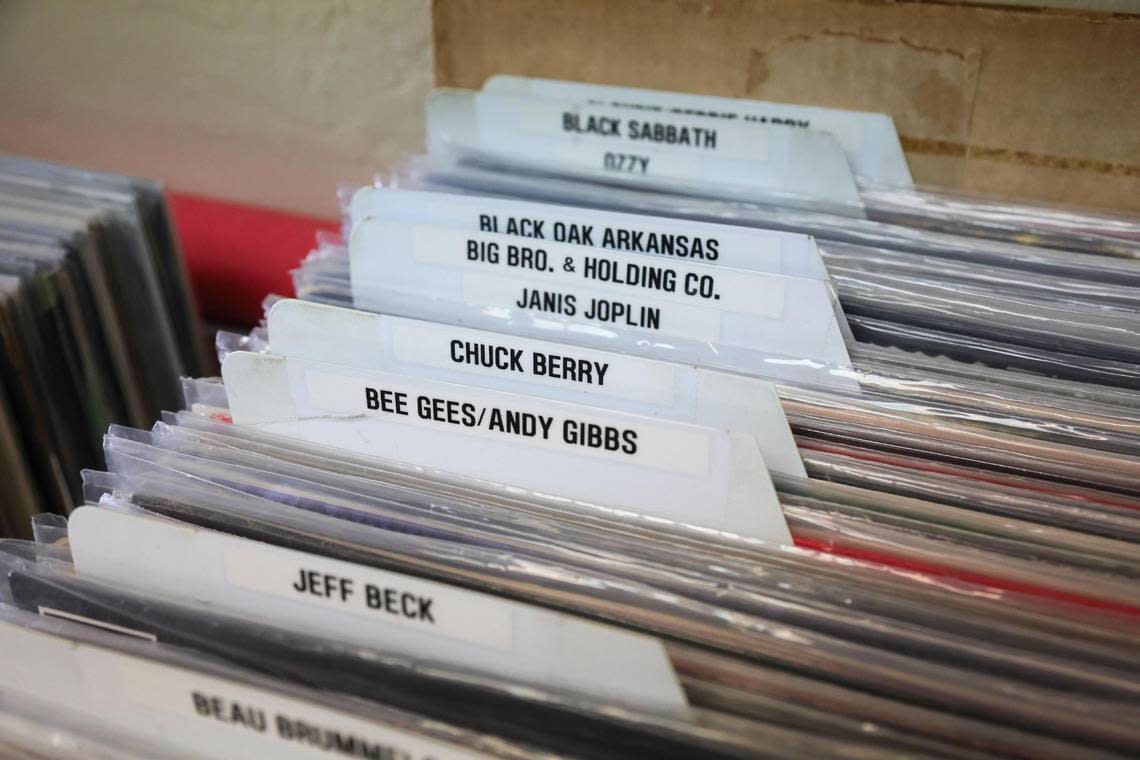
428,173
197,705
1002,425
770,649
198,437
746,692
1111,516
963,579
485,704
1049,226
30,730
325,279
1010,538
924,301
848,671
908,311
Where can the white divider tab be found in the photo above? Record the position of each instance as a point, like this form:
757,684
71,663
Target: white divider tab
756,250
690,153
403,265
694,474
869,139
375,608
557,371
169,705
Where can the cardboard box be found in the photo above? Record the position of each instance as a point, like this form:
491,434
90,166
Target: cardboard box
1022,102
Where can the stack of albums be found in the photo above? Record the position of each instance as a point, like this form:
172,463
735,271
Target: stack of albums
96,326
548,459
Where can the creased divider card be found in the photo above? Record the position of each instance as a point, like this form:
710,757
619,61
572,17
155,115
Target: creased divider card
667,301
168,704
669,470
695,154
365,606
562,372
869,139
668,239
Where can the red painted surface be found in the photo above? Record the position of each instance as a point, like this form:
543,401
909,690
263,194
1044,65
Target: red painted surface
968,576
238,254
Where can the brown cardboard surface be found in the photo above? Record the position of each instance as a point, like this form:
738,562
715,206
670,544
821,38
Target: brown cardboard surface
1030,103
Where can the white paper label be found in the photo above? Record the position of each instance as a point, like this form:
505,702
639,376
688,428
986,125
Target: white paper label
464,410
698,475
592,306
553,365
609,139
397,266
561,372
688,153
869,139
694,285
400,600
363,606
173,706
585,125
663,238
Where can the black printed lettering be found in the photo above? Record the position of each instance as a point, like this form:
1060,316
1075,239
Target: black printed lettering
620,312
483,250
578,234
387,401
523,227
227,711
631,273
399,603
661,243
671,134
595,436
626,163
548,301
569,368
446,411
487,355
331,740
603,126
322,584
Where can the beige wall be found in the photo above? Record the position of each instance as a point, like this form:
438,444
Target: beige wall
271,102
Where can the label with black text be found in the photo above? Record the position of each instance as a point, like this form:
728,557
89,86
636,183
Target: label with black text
517,419
673,152
162,705
869,139
662,238
389,598
699,474
372,608
562,372
415,269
